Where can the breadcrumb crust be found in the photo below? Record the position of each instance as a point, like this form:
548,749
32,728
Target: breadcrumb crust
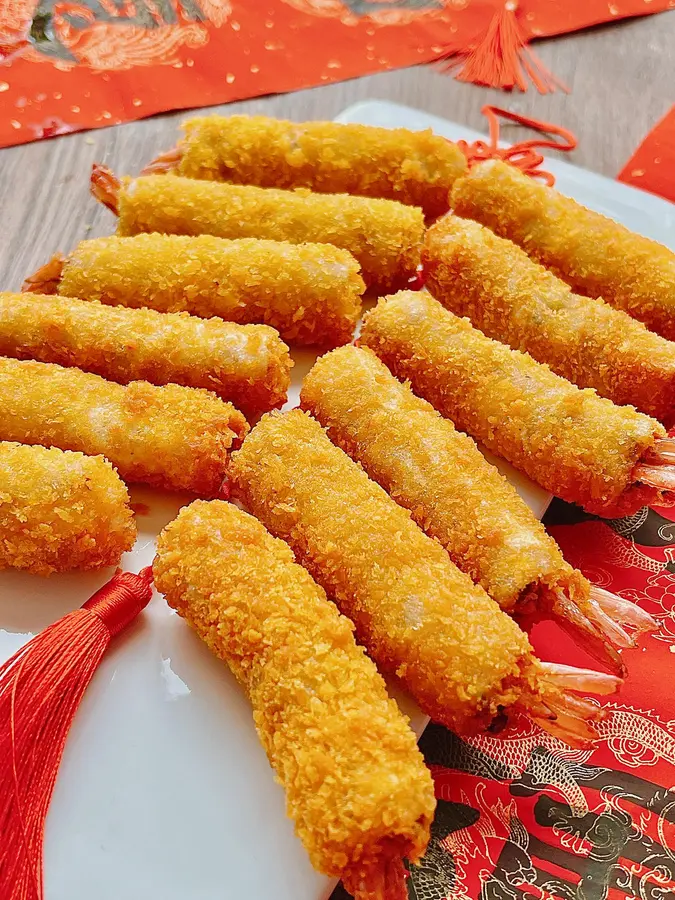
356,784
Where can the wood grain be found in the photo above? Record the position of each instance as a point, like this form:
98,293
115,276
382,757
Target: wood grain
621,84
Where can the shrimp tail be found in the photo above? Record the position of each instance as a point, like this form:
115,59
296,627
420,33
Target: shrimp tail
164,163
622,612
105,187
570,718
46,279
588,632
382,881
657,474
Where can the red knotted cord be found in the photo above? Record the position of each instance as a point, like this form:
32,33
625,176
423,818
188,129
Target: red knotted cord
524,155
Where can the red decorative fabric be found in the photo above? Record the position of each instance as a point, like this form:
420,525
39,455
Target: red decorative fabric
66,65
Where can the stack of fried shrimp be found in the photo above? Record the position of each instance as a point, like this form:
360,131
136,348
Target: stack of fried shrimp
462,658
173,437
456,496
511,298
572,442
384,236
356,785
247,364
61,510
311,293
595,255
413,167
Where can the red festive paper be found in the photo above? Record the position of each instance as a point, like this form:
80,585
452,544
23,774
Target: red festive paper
652,166
73,64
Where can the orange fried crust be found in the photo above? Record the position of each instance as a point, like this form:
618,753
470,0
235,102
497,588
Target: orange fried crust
172,437
384,236
440,475
595,255
247,364
417,615
575,444
513,299
356,784
61,510
311,293
413,167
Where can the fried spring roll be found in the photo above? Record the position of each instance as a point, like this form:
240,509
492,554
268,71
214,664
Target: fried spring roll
172,437
384,236
247,364
419,617
311,293
414,167
356,784
511,298
456,496
61,510
595,255
575,444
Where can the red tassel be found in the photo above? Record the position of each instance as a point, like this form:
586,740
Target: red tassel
501,57
41,687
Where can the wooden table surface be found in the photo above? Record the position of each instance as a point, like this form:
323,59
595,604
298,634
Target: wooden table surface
621,80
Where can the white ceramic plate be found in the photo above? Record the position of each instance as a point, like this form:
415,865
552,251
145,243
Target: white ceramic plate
164,792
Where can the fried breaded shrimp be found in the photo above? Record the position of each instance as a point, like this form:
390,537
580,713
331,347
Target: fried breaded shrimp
356,784
595,255
575,444
311,293
61,510
513,299
456,496
384,236
455,651
414,167
173,437
247,364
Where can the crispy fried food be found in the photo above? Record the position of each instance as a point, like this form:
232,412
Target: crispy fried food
456,496
311,293
575,444
61,510
247,364
385,237
595,255
356,784
513,299
414,167
173,437
455,651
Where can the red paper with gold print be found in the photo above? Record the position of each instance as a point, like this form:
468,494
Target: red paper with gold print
523,814
73,64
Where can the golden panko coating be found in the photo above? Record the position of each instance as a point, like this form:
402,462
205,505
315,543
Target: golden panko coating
440,475
384,236
172,437
247,364
595,255
413,167
61,510
356,784
418,616
311,293
575,444
513,299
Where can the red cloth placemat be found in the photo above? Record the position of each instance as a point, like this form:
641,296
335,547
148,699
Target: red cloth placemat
72,64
